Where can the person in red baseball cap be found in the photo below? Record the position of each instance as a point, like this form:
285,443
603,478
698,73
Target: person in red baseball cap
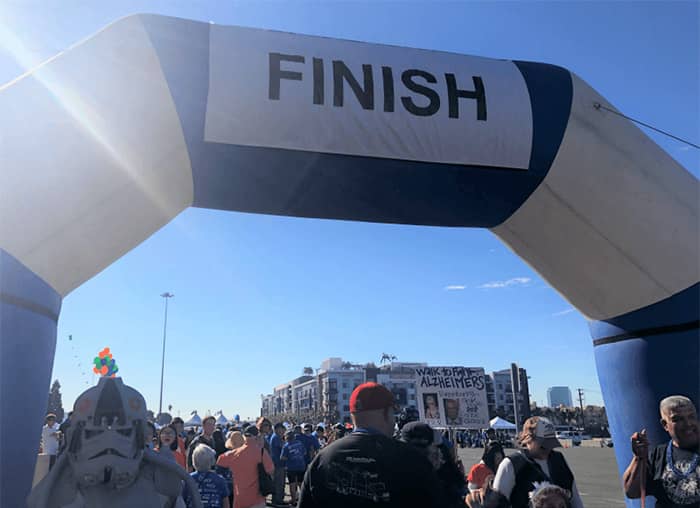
372,407
368,466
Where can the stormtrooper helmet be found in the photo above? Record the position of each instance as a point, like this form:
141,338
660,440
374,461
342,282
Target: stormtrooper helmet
106,436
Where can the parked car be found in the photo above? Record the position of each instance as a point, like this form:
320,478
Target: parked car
574,437
606,442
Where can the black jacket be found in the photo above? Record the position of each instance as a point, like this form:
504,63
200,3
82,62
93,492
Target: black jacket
370,470
527,471
199,439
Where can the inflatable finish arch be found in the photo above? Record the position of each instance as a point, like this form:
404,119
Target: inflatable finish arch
108,141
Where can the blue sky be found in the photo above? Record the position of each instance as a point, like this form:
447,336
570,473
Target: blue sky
260,297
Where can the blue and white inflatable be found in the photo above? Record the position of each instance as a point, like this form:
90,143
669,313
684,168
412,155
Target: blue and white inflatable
108,141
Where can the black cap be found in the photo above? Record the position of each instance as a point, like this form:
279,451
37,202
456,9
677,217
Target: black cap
418,433
251,430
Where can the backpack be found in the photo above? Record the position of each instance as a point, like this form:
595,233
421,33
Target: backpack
265,483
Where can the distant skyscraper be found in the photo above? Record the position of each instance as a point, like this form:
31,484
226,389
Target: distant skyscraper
558,396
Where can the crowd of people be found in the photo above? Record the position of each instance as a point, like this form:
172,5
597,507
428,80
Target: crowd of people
479,439
382,461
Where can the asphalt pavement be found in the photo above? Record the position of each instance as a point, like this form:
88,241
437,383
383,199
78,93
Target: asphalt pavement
595,471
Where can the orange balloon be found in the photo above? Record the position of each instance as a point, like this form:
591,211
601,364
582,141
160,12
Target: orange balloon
106,350
94,369
104,369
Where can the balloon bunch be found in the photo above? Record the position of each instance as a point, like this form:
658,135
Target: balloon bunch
105,364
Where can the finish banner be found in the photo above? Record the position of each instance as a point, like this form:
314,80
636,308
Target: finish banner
297,92
452,397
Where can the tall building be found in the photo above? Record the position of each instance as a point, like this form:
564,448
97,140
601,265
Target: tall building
336,381
399,377
305,396
499,394
559,396
289,398
326,396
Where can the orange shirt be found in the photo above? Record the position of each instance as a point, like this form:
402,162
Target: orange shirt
243,463
181,453
181,445
180,459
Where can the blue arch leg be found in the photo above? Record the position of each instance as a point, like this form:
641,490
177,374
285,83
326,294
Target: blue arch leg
28,314
642,357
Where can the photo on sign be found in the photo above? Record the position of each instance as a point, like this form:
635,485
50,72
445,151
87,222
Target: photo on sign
431,406
452,412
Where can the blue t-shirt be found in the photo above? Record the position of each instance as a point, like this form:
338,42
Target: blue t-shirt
276,445
317,443
295,453
314,434
310,443
212,490
225,473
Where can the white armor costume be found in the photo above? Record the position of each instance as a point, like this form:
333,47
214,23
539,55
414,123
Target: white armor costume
105,463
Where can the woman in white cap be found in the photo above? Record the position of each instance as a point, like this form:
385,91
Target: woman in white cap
538,462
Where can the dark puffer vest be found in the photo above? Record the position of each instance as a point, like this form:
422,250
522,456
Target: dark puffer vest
527,472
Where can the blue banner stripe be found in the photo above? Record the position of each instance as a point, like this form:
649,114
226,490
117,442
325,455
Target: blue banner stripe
23,288
648,332
681,309
28,305
310,184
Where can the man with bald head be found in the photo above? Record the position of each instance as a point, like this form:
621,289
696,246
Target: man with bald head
368,468
671,472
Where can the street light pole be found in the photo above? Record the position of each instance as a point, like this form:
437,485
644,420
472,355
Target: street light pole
166,296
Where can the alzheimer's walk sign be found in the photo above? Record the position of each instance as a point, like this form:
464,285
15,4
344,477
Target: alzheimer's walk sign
452,397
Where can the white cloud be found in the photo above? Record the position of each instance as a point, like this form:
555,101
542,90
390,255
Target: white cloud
516,281
454,287
563,312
